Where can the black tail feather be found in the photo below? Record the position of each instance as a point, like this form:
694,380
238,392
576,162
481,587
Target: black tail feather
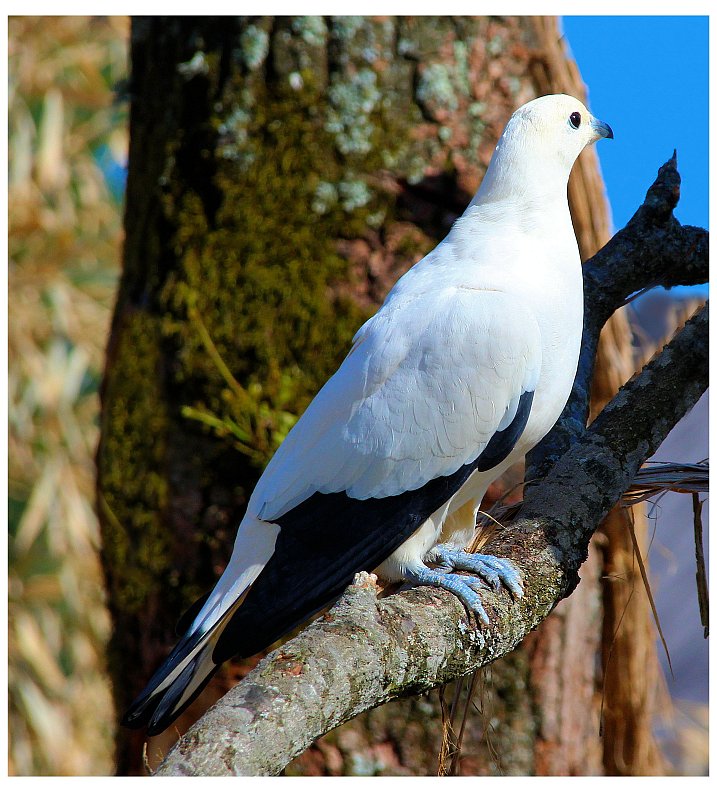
144,707
169,706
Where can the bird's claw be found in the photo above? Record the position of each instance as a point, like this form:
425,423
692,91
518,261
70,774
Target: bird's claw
492,570
463,586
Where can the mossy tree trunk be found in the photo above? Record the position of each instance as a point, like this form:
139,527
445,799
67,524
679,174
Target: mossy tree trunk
283,173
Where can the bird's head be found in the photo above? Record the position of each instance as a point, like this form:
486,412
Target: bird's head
541,142
559,123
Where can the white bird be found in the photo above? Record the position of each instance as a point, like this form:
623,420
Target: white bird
465,367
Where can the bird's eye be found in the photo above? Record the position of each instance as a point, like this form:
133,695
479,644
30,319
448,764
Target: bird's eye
575,120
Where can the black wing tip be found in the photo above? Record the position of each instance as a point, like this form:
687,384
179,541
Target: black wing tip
148,714
159,727
140,712
158,711
146,717
133,721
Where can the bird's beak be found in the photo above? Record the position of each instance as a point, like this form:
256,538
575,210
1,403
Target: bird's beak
601,130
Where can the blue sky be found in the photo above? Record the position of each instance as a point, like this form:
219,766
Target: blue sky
648,78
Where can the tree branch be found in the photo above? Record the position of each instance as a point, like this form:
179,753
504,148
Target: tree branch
653,249
366,651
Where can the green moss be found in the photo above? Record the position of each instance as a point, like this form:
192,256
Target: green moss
133,491
259,274
261,271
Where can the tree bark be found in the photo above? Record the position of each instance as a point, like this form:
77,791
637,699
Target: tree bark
283,173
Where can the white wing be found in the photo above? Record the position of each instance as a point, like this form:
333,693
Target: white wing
429,381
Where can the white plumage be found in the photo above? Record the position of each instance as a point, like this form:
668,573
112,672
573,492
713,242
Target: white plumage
428,382
464,368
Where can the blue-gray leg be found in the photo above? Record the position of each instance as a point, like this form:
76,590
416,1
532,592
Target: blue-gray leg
492,570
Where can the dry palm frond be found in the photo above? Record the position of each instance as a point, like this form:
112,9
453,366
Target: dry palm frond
646,582
469,694
64,253
701,576
448,749
650,481
667,476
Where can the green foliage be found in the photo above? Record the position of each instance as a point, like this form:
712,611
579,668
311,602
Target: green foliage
134,492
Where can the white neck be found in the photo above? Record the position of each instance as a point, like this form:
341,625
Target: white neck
513,173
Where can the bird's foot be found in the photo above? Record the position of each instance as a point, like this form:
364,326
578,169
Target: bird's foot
491,571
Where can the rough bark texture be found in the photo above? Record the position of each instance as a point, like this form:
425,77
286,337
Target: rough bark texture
629,666
283,173
364,652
